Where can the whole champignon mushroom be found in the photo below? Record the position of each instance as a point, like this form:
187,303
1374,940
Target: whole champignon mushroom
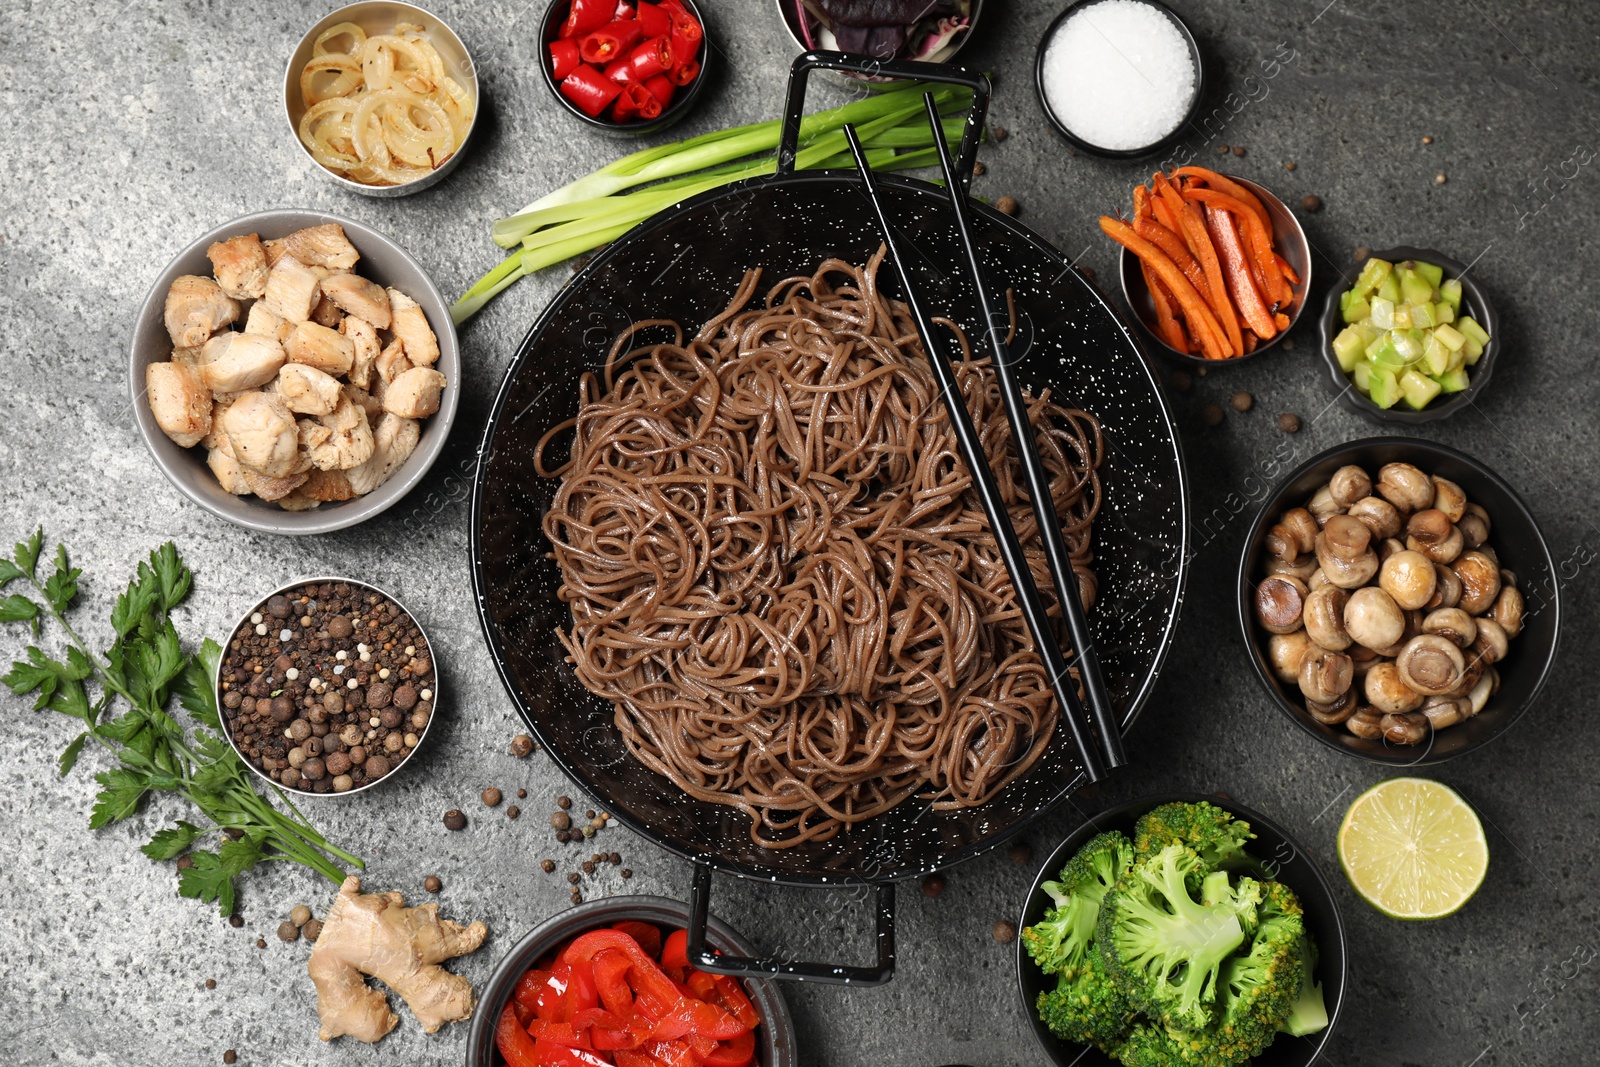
1445,711
1323,506
1334,712
1478,699
1469,677
1292,535
1317,580
1474,525
1449,498
1480,581
1363,657
1346,573
1452,623
1348,485
1407,729
1388,692
1325,676
1284,652
1432,533
1346,538
1366,723
1279,601
1409,578
1301,567
1381,517
1388,547
1323,615
1373,619
1404,486
1431,664
1508,609
1446,588
1492,642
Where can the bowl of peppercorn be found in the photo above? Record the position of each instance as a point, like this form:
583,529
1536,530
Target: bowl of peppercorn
327,686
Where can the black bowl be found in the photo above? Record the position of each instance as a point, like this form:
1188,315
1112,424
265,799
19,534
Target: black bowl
1281,859
1119,153
683,100
1515,536
775,1042
1474,302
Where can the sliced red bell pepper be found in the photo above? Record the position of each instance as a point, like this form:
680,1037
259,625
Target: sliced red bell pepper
653,21
675,955
633,1058
673,1054
590,90
650,58
684,73
686,37
647,934
611,967
735,1053
517,1048
553,1055
564,58
611,41
560,1033
552,1000
586,15
662,89
581,993
696,1016
529,989
736,1002
649,983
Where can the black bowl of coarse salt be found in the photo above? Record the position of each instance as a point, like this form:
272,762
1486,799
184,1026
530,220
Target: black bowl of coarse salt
327,686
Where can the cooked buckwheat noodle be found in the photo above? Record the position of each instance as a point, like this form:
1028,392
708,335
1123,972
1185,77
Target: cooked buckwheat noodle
778,568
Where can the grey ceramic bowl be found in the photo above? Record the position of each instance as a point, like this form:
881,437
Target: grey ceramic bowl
1288,237
261,606
1474,302
775,1043
374,17
382,261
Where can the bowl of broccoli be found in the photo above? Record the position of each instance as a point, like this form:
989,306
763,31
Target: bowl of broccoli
1171,932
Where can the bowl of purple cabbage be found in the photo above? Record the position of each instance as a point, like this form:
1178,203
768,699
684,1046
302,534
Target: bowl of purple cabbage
929,31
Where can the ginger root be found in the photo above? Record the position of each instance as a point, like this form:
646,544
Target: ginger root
376,934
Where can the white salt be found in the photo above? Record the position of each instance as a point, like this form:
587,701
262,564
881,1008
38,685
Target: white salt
1119,74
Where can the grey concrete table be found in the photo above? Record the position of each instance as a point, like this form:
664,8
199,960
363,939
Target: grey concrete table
131,127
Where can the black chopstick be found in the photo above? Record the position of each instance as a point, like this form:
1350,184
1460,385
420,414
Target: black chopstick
1038,479
1033,607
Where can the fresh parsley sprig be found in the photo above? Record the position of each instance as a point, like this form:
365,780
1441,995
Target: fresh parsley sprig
145,666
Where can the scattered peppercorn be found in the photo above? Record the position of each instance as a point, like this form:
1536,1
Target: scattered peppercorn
211,983
547,866
236,921
563,836
588,866
1427,138
1000,133
1182,380
230,1056
1238,150
614,859
522,746
513,811
563,803
589,814
1211,414
455,820
1289,422
979,169
574,878
522,794
261,942
312,930
1440,179
576,897
1007,205
299,914
185,861
1004,932
626,873
287,931
432,883
932,885
1361,253
1241,401
560,820
1021,854
1288,344
490,797
1290,165
588,832
1222,149
1311,202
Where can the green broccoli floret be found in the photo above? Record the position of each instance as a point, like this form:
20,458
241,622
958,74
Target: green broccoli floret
1153,1045
1215,834
1163,947
1062,939
1257,989
1309,1013
1086,1006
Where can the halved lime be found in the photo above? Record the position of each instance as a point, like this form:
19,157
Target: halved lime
1413,848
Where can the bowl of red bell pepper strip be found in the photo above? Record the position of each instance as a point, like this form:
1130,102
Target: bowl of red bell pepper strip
608,984
1214,266
628,67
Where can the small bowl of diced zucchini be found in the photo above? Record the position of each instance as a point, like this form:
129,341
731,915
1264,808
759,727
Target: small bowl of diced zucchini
1413,339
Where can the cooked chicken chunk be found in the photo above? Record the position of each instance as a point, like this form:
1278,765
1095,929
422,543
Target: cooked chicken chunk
262,434
234,362
410,325
323,246
272,488
219,457
393,442
317,346
357,296
325,312
292,290
350,442
371,405
299,500
327,485
179,400
197,308
275,249
261,320
307,390
364,336
415,394
194,357
240,266
392,362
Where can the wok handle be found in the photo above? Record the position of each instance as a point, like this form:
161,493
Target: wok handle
709,959
806,62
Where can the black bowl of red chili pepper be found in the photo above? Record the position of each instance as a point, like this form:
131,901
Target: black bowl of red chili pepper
608,984
628,67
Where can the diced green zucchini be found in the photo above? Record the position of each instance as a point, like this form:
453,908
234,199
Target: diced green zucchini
1390,289
1469,326
1383,313
1458,358
1357,308
1384,354
1453,382
1385,390
1402,317
1415,289
1373,272
1406,343
1450,292
1348,348
1443,312
1431,271
1471,352
1418,389
1362,377
1421,315
1449,336
1435,356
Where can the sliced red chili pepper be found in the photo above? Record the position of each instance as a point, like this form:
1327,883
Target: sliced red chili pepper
518,1049
624,11
621,70
653,20
686,37
650,58
610,41
586,15
662,89
672,6
610,966
684,73
552,1054
590,90
564,58
736,1002
647,934
735,1053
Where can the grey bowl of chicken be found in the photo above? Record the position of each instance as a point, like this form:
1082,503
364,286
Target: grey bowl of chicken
294,372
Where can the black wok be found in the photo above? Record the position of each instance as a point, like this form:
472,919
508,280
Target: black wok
685,264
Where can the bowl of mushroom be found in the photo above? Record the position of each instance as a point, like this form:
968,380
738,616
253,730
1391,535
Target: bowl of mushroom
294,372
1399,601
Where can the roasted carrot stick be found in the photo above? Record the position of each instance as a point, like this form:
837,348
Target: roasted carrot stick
1237,268
1193,231
1171,332
1227,185
1176,250
1273,287
1288,271
1162,213
1195,312
1141,203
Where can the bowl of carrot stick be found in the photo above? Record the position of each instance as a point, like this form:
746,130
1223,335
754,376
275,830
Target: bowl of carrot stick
1214,266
